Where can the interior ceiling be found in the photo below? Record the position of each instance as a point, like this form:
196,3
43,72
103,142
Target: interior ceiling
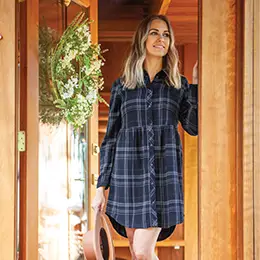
118,19
122,9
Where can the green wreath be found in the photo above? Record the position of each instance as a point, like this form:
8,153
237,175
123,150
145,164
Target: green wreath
70,74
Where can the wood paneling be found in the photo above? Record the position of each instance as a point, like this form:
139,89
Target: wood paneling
7,129
115,58
113,25
159,7
121,9
248,138
29,122
256,143
123,253
93,122
184,19
190,147
239,125
251,131
52,12
171,253
182,14
217,142
118,21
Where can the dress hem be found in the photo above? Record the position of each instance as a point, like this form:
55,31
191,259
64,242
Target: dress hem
120,228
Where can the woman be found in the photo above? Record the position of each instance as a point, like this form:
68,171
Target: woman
141,154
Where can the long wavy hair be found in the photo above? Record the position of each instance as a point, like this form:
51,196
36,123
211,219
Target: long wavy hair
133,74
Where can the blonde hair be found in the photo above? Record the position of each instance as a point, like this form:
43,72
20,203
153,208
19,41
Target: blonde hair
133,75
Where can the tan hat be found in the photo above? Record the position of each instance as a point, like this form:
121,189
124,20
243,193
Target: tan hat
98,243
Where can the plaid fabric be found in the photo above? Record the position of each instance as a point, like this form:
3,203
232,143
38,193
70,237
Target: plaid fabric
141,154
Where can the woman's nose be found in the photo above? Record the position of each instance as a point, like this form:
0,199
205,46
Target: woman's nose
160,37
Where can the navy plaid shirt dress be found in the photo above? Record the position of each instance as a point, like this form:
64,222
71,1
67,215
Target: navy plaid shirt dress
141,154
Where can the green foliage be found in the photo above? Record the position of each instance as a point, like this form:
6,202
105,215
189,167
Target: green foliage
70,74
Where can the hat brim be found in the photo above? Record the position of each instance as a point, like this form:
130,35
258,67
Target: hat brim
99,241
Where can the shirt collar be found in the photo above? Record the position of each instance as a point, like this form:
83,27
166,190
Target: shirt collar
162,74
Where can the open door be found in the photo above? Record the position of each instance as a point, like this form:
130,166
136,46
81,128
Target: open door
8,129
67,159
54,174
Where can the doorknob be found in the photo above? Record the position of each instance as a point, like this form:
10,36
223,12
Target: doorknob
1,36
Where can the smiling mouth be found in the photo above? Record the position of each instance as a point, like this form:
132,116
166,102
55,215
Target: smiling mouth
159,47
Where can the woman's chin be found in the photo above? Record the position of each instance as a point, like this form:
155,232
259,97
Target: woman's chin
156,54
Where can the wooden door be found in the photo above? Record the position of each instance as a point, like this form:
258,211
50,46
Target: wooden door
29,123
8,65
66,158
93,125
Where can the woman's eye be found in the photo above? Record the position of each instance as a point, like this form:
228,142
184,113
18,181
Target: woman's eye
154,33
167,35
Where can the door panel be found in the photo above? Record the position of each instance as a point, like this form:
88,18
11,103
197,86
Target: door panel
8,63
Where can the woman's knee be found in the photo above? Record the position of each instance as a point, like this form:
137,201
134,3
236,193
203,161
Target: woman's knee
144,243
143,255
143,252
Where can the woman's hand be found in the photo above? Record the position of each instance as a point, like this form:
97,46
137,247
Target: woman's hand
99,200
195,74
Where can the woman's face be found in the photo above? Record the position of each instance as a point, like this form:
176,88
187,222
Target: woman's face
158,41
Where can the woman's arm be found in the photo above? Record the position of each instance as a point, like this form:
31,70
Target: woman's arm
107,150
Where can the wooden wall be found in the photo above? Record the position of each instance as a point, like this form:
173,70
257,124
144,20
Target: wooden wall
251,131
190,171
115,55
219,145
248,132
256,128
7,129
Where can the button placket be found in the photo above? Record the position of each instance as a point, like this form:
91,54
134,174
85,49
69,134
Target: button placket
151,166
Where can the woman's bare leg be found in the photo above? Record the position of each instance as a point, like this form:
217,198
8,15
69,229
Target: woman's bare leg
130,235
144,243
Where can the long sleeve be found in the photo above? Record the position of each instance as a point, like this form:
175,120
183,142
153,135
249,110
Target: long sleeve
188,113
107,149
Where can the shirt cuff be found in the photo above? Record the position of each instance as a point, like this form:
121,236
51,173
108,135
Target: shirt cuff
103,181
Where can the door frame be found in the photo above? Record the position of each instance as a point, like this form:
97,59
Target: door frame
229,201
8,154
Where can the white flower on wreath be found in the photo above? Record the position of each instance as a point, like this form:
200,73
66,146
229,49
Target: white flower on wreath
81,110
84,35
72,54
94,67
68,88
84,47
92,96
65,63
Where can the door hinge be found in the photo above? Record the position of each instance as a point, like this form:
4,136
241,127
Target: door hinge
95,149
21,141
